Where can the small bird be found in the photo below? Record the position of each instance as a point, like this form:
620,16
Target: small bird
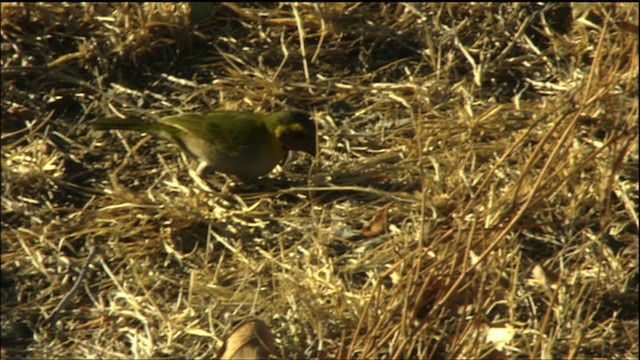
243,144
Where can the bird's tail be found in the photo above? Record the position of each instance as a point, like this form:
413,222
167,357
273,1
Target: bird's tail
116,123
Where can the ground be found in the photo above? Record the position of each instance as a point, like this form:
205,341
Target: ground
475,192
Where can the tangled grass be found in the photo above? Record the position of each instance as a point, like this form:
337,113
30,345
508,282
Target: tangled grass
475,194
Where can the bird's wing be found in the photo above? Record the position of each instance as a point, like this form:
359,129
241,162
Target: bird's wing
226,130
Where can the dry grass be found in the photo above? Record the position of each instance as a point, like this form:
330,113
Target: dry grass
475,194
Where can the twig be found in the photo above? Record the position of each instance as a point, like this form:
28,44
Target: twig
65,300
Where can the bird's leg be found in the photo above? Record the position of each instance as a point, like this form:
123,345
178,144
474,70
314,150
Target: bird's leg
201,167
212,180
226,188
205,185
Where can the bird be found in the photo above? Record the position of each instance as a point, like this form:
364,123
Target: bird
243,144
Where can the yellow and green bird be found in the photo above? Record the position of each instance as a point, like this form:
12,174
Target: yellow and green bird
243,144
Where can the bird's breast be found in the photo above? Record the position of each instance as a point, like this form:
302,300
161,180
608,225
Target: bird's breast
246,161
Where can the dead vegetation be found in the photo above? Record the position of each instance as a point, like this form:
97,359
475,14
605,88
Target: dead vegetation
475,194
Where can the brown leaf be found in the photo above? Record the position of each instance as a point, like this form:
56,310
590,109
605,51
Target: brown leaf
627,26
378,224
542,276
251,340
